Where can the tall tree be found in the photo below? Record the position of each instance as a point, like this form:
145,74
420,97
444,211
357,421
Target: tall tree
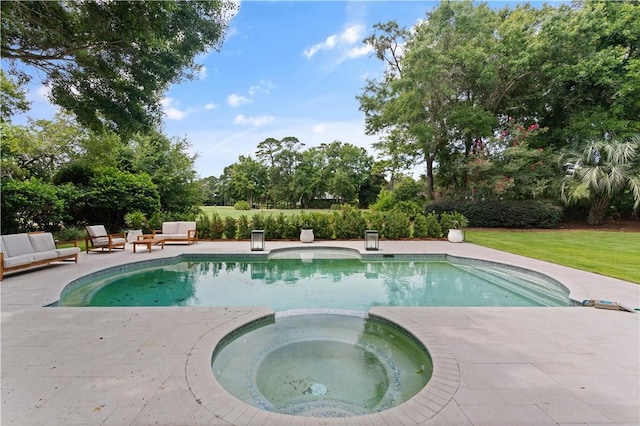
170,165
109,62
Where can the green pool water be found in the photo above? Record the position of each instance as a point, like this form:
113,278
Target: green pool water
304,280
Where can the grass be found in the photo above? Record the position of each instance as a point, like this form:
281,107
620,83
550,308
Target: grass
614,254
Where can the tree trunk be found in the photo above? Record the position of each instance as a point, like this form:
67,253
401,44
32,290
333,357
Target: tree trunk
430,183
598,210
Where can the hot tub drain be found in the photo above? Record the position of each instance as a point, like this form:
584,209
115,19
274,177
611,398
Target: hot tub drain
318,389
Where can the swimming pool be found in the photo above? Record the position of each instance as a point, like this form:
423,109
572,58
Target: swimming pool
308,279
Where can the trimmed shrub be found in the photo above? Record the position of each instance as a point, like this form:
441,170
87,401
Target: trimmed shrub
244,231
349,223
322,226
203,225
420,229
230,228
503,214
217,226
375,221
434,230
397,224
241,205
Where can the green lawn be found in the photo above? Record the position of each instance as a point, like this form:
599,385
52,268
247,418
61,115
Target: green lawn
615,254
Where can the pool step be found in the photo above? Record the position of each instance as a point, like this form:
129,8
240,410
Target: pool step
536,289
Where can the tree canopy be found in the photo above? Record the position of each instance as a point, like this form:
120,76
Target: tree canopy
109,62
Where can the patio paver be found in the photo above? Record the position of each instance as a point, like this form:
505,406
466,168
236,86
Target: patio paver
142,366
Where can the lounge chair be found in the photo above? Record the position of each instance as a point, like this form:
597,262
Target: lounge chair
98,238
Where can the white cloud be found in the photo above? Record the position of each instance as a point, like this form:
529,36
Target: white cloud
43,92
319,128
264,86
171,111
356,52
236,100
349,36
253,121
210,105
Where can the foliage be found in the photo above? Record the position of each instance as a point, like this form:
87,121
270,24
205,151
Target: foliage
601,170
13,99
322,226
241,205
217,227
71,233
156,219
375,220
503,214
244,230
385,201
136,220
453,220
170,166
349,223
31,205
110,62
396,225
427,226
203,225
112,193
230,228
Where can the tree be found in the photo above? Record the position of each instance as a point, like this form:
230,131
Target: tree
593,69
169,164
248,178
13,99
601,170
109,62
111,194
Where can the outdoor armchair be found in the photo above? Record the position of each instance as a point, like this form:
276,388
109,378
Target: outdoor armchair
98,238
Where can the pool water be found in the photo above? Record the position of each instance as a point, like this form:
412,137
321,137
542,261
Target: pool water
322,365
308,282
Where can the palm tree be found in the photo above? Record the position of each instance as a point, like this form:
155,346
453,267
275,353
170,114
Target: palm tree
601,170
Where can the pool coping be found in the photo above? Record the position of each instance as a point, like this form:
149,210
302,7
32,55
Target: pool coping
28,327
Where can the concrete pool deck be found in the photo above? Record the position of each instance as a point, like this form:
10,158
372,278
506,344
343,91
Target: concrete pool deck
142,366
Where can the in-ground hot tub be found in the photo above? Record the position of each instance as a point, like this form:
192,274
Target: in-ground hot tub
332,364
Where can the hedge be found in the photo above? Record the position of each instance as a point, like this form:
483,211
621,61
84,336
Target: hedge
503,214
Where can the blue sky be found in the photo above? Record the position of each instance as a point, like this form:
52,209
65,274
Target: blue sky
286,68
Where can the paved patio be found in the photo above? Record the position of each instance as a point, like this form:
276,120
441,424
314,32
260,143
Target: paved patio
142,366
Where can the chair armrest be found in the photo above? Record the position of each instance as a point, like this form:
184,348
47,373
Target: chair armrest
192,233
116,235
74,242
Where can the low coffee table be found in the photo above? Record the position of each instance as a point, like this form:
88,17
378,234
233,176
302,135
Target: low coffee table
149,242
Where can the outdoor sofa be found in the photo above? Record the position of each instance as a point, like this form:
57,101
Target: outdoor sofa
26,250
177,232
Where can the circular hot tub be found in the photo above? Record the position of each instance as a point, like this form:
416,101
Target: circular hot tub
322,364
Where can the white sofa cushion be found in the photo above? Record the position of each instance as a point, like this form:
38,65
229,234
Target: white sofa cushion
44,255
185,227
66,251
16,245
18,260
170,228
42,242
